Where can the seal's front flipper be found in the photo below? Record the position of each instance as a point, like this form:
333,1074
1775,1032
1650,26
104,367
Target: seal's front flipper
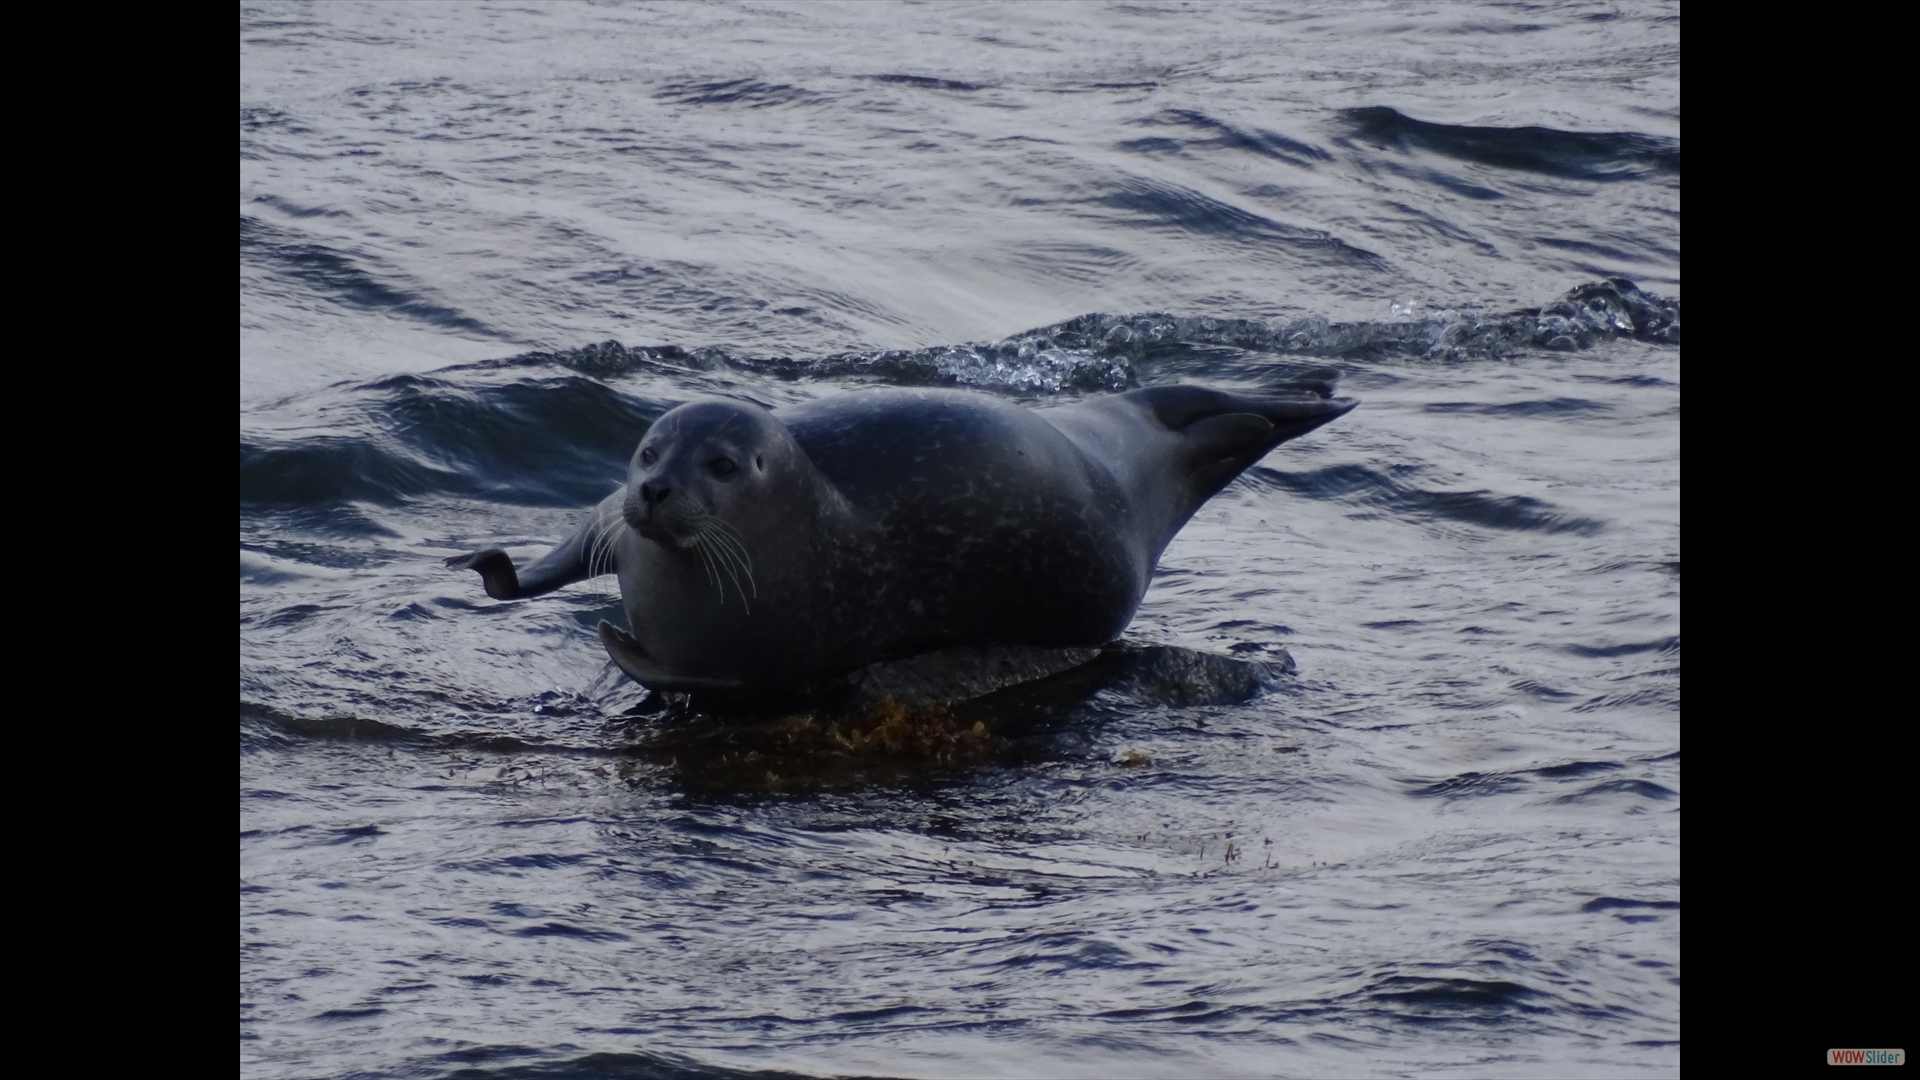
645,670
496,572
569,562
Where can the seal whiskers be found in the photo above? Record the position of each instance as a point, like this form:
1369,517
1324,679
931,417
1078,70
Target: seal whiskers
728,555
726,539
706,565
710,560
600,553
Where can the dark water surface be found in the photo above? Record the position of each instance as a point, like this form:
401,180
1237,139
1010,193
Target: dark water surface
1384,779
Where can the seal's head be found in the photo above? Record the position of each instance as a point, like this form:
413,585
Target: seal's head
704,470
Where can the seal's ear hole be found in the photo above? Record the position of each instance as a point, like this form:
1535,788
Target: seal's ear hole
760,462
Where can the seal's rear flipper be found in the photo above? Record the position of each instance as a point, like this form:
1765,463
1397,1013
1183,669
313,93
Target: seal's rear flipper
1225,435
645,670
1293,417
1320,381
1220,424
1227,432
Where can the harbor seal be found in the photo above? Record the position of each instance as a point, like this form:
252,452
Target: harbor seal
770,550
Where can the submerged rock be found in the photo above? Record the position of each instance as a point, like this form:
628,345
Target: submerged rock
921,716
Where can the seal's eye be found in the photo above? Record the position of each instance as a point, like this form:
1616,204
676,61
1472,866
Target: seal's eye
649,456
723,466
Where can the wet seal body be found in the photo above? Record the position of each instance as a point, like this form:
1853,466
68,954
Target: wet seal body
775,550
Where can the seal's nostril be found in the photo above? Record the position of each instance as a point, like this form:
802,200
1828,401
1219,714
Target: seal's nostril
654,494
